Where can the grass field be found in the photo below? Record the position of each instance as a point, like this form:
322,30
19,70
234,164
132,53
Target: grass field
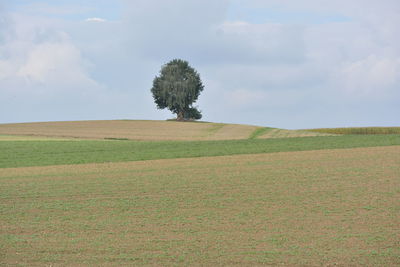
314,208
40,153
260,198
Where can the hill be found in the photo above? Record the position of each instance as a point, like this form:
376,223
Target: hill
146,130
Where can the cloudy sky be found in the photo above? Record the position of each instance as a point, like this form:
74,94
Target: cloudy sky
279,63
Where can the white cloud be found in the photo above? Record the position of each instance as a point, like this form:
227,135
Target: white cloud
95,20
370,77
42,56
44,75
53,62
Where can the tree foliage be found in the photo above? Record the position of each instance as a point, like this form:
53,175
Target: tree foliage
177,88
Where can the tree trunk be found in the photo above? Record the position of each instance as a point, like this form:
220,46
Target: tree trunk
179,116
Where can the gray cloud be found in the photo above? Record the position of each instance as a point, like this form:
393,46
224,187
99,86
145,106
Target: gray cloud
200,32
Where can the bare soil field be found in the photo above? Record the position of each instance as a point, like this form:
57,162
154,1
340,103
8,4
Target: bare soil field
312,208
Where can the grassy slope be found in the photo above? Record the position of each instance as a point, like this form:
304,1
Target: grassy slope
313,208
41,153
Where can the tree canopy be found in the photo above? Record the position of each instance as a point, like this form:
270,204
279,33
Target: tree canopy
177,88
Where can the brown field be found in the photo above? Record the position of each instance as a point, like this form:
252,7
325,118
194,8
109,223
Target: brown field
141,130
29,137
134,130
313,208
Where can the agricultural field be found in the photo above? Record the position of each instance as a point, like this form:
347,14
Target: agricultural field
147,130
357,130
30,138
133,130
283,133
25,153
66,200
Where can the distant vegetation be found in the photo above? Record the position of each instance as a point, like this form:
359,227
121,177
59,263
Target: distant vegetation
177,89
359,130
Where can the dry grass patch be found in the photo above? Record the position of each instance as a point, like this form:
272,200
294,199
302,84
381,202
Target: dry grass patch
134,130
282,133
234,131
313,208
359,130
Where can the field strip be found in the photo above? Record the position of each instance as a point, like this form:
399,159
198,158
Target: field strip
43,153
69,169
282,133
358,130
33,138
131,130
311,208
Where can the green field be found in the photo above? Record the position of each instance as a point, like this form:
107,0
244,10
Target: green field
300,201
41,153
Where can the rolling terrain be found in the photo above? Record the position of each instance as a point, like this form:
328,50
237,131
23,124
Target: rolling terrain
146,130
134,193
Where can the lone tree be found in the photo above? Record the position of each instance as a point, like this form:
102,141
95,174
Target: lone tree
177,88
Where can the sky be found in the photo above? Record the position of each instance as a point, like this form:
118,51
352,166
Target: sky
277,63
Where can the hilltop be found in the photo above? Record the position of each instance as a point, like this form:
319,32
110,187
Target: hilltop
146,130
